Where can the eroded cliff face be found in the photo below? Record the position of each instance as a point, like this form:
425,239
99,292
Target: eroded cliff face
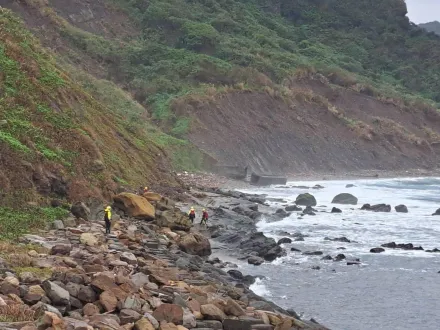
320,129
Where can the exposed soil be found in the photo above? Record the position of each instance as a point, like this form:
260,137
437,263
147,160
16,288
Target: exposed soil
255,129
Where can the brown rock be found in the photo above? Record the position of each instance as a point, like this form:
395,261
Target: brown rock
193,305
167,326
143,324
181,327
106,283
61,249
90,309
273,319
108,300
87,295
105,322
196,244
36,289
212,312
94,268
135,205
169,313
152,197
233,308
51,320
31,299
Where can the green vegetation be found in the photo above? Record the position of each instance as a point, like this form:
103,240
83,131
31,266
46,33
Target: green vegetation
14,223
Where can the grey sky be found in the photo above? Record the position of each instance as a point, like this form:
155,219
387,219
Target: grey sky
422,11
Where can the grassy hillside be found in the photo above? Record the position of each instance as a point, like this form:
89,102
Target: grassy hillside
431,27
59,141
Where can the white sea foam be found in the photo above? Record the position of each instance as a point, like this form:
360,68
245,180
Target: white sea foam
260,288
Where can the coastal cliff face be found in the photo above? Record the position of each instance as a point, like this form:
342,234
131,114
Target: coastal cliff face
152,87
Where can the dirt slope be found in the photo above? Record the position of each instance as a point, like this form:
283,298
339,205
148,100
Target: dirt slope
321,128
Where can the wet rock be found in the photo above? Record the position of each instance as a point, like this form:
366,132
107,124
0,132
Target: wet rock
295,250
305,200
377,250
433,251
353,262
254,260
195,244
284,240
401,209
58,295
309,211
274,253
134,206
265,247
376,208
350,185
169,313
346,199
342,239
293,208
406,246
339,257
313,253
212,312
437,212
282,214
336,210
80,211
299,239
235,274
327,257
316,267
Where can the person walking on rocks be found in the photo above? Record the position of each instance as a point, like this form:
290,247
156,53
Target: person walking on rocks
204,218
192,214
108,219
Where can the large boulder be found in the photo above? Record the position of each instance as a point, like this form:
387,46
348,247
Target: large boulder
174,219
344,198
376,208
401,209
152,197
56,294
134,206
80,210
195,244
437,212
212,312
306,200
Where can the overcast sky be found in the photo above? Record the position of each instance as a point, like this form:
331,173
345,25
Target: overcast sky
422,11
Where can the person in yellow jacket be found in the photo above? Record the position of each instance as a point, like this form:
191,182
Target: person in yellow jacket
108,219
192,214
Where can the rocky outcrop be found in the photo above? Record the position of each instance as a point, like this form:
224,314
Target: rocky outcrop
377,250
174,219
437,212
263,246
293,208
134,206
336,210
376,208
404,246
196,244
306,200
344,198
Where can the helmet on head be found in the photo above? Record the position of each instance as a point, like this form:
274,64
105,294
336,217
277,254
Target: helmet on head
192,207
204,210
108,208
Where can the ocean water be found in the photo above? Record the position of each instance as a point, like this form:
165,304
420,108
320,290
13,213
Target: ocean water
395,290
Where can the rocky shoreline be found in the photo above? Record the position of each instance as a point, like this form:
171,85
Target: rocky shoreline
153,272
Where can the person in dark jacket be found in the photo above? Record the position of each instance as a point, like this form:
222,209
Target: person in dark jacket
192,214
204,218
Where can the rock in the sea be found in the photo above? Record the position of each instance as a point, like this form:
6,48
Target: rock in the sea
80,211
405,246
401,208
284,240
433,251
377,250
135,206
295,250
235,274
265,247
376,208
309,211
327,257
344,198
342,239
306,200
336,210
350,185
293,208
254,260
195,244
436,212
339,257
313,253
